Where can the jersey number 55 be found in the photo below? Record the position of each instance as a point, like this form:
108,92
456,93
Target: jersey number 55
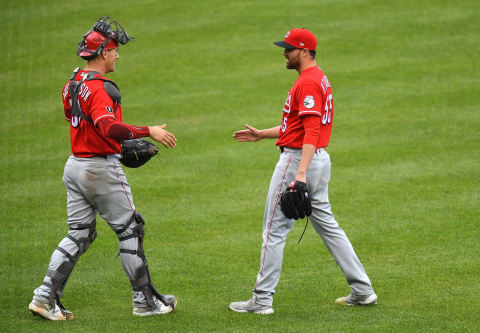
327,117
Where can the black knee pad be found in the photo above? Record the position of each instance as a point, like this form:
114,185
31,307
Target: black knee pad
83,236
135,228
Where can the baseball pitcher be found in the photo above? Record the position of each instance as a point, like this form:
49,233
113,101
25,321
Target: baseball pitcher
299,185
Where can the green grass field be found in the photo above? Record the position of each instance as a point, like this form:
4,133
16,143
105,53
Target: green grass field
405,162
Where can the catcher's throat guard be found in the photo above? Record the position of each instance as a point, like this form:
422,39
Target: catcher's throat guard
111,30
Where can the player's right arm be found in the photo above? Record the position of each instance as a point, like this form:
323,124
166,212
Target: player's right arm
120,131
106,121
252,134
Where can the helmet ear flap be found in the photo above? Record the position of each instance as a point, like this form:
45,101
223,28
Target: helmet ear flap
102,46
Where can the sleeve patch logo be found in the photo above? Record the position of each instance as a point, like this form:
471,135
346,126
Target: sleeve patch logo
309,102
109,109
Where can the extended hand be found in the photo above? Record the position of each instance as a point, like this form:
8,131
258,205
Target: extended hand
251,134
159,134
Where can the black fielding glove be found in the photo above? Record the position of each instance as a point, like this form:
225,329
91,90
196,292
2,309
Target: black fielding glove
295,201
137,152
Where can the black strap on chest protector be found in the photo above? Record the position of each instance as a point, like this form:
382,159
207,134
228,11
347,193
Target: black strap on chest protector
74,88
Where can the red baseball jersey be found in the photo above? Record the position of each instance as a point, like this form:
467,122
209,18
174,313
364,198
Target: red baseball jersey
85,138
311,95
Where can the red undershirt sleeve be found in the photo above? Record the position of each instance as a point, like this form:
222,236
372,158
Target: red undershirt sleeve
312,125
120,131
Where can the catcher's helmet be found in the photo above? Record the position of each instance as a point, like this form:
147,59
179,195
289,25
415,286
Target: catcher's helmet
91,44
102,37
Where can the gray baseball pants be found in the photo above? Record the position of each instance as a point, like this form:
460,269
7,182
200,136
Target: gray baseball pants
95,184
276,226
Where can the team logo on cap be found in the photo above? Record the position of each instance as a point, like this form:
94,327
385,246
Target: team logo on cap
287,35
309,102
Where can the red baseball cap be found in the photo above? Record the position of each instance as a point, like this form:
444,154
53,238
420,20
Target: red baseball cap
299,38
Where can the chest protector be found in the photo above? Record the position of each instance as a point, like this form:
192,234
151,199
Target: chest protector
74,88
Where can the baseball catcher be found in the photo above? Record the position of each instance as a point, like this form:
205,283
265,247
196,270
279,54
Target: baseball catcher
94,178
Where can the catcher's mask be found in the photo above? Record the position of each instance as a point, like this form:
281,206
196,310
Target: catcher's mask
105,34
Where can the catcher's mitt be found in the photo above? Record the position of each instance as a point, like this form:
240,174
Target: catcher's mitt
137,152
295,202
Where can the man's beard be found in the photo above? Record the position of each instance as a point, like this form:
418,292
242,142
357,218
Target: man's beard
292,63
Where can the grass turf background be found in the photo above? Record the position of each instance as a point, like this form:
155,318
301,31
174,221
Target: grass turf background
405,161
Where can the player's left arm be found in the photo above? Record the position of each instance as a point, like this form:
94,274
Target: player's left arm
66,103
68,116
309,111
311,124
307,155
